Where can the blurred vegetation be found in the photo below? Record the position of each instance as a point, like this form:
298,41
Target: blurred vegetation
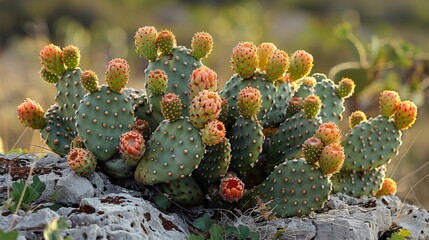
334,31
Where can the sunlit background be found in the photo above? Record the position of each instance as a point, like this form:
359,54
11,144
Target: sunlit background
381,44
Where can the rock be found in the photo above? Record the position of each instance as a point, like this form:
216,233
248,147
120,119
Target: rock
121,216
96,208
73,188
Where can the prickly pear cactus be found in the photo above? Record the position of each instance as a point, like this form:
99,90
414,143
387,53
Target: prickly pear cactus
359,183
183,191
294,188
174,151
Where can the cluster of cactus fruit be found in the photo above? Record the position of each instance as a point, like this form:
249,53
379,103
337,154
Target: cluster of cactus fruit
269,136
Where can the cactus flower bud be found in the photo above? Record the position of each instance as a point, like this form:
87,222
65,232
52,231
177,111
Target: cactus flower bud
332,159
301,63
231,188
264,52
312,106
31,114
249,102
165,41
312,149
132,147
71,56
388,187
145,42
388,101
277,65
82,161
405,115
244,59
157,81
328,133
89,81
201,45
356,117
346,88
171,107
213,133
52,59
117,74
202,78
205,107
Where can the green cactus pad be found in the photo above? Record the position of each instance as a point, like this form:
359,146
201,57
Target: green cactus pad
215,163
178,66
69,94
201,45
143,110
184,191
304,91
360,183
48,76
246,144
287,142
294,188
57,135
234,86
371,144
319,76
101,119
71,56
174,150
144,41
277,114
118,168
332,104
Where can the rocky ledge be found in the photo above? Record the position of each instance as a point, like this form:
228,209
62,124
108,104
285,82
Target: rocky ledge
96,208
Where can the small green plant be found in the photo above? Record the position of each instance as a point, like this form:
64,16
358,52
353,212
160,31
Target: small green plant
402,234
213,231
19,151
23,194
12,235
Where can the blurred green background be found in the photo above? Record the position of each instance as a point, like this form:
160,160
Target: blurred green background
388,41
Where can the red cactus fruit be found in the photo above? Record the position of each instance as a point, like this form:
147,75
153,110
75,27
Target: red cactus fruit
205,107
264,52
31,114
328,133
82,161
48,76
332,159
202,78
117,74
388,187
213,133
244,59
71,56
346,88
89,81
231,188
312,106
144,41
295,105
301,63
52,59
165,41
277,65
201,45
157,81
356,117
249,102
312,149
132,147
171,107
405,115
388,101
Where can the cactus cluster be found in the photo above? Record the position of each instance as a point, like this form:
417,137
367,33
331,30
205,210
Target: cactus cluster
270,136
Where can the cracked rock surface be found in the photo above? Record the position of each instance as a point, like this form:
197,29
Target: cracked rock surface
95,208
